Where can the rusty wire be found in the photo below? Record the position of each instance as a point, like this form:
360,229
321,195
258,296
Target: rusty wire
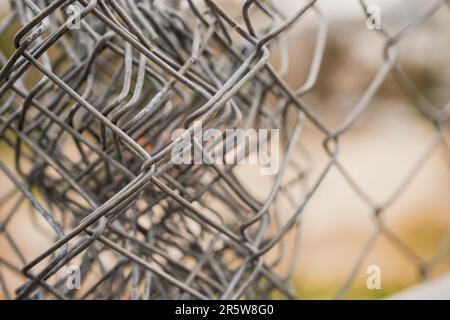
89,113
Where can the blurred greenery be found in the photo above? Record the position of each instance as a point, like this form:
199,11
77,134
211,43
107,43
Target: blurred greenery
6,44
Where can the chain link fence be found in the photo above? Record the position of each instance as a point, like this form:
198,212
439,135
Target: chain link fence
89,99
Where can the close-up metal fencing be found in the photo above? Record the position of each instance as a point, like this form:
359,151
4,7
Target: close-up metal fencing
91,93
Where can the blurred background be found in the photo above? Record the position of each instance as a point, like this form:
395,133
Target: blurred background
378,152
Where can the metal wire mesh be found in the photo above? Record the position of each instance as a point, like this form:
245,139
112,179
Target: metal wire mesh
89,114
